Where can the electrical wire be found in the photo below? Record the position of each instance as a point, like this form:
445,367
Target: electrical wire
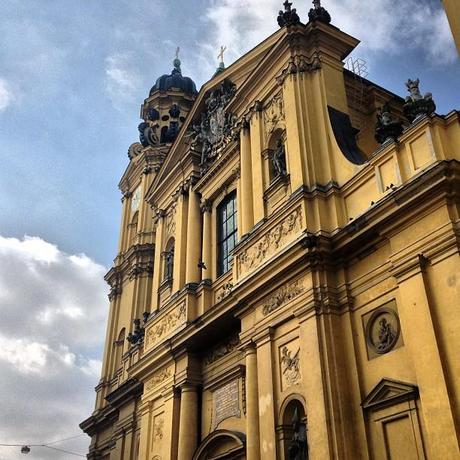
49,446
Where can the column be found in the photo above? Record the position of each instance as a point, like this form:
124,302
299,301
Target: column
256,132
314,386
252,405
267,440
124,222
180,250
158,259
419,336
193,271
206,254
188,422
247,209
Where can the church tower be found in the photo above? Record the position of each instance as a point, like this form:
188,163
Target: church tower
286,285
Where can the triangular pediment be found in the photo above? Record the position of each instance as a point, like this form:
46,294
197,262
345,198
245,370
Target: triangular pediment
241,73
388,392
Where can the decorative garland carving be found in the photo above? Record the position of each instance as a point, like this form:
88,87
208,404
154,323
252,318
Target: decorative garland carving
140,268
221,350
167,324
283,295
158,378
270,243
274,114
170,222
298,65
224,291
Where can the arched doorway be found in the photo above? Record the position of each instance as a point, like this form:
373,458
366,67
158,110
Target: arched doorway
222,445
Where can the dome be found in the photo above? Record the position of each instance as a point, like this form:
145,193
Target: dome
175,81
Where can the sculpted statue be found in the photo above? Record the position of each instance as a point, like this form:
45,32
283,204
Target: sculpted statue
319,13
417,105
298,445
388,127
289,16
279,159
386,335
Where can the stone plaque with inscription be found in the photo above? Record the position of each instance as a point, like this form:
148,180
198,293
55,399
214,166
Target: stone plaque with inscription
226,402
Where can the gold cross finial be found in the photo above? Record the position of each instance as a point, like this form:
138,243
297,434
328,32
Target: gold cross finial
177,52
221,54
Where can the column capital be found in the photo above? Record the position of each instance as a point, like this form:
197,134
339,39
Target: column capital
206,206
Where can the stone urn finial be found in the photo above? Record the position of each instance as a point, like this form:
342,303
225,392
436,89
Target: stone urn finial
416,105
388,127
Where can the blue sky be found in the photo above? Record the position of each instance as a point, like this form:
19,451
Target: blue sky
73,75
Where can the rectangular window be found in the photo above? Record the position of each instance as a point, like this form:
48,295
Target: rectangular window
226,233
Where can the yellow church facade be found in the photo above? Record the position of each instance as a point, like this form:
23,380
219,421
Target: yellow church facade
287,282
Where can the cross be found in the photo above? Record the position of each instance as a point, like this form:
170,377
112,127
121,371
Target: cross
287,6
177,52
221,54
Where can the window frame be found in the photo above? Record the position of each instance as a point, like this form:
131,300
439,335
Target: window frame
224,256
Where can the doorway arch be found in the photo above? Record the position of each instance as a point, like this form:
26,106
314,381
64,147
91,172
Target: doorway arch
222,445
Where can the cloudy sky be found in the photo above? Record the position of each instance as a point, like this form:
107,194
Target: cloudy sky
72,77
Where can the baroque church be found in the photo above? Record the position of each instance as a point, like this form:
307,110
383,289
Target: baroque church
288,276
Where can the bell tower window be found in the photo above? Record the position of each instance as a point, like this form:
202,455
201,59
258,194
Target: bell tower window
226,233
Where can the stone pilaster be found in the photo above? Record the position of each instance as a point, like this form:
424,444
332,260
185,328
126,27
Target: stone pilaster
193,272
188,422
252,405
246,208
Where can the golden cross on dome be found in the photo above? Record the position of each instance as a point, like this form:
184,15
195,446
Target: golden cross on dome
177,52
221,54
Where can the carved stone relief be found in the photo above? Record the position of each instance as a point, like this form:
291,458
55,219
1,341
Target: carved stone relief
158,426
224,291
170,221
221,350
290,364
274,114
278,237
284,295
215,130
382,330
165,325
158,378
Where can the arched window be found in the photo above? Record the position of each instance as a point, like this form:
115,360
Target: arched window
168,257
226,233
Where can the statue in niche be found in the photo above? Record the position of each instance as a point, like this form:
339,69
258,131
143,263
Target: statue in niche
388,127
148,135
417,105
298,446
386,336
169,264
279,159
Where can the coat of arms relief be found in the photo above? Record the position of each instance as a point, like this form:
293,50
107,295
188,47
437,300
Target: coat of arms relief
217,126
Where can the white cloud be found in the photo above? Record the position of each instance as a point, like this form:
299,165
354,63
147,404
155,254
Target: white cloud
6,94
122,79
388,26
53,308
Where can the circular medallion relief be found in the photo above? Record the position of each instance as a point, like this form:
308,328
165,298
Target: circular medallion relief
382,330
